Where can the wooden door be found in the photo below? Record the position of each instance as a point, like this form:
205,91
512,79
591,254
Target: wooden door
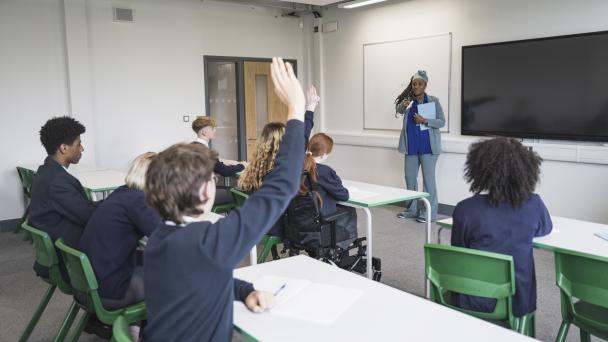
261,104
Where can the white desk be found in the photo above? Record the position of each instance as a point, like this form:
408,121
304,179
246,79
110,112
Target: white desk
568,234
94,179
365,196
382,313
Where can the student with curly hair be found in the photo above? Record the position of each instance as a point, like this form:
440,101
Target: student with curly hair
503,215
267,147
59,203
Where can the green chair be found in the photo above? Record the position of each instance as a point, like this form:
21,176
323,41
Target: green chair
83,280
120,330
478,273
270,242
46,256
222,208
583,283
27,179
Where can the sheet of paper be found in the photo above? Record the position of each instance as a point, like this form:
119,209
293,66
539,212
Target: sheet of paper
356,193
428,111
311,302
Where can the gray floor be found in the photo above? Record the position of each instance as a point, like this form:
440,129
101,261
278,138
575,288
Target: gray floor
397,242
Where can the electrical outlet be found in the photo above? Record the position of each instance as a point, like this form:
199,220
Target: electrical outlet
186,118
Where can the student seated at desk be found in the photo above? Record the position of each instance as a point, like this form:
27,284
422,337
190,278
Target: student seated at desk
329,187
266,150
503,215
112,234
205,128
59,204
189,260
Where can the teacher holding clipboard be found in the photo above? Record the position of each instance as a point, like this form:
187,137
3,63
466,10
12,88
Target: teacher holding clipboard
420,141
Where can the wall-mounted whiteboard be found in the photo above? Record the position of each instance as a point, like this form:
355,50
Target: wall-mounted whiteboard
387,69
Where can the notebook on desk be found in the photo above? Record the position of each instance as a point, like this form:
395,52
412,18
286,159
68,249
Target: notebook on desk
308,301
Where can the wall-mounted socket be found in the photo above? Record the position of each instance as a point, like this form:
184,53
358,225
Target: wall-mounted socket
186,118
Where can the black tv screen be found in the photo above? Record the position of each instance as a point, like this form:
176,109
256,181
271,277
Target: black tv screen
547,88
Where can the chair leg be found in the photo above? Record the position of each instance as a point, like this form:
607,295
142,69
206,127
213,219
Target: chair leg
67,323
585,336
275,253
265,251
563,332
80,327
43,303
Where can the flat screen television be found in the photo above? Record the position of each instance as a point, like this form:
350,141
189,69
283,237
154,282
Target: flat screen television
546,88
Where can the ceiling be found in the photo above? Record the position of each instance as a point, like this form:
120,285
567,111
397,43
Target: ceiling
315,2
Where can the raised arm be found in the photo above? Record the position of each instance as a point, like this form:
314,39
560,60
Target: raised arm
227,241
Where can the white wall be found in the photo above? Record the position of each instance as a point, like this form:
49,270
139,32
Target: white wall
32,88
129,83
575,190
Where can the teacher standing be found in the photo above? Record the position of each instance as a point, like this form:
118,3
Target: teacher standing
420,146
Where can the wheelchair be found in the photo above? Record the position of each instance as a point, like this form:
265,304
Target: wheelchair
307,231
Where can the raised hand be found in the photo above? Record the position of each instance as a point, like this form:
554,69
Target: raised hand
288,88
312,99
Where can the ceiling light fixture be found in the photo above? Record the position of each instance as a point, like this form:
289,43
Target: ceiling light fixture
358,3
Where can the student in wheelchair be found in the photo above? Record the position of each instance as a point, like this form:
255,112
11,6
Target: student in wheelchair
316,224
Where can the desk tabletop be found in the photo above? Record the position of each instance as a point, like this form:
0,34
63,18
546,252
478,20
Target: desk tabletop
568,234
372,195
382,313
100,180
74,168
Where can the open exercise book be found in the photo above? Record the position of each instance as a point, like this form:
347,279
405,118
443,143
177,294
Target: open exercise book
308,301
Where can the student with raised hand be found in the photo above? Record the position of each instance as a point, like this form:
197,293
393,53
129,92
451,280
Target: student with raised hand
267,147
59,204
189,260
503,215
112,235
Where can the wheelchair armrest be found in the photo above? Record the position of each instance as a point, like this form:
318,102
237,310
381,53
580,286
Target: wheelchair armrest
333,217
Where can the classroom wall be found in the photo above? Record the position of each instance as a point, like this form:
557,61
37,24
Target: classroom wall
576,190
129,83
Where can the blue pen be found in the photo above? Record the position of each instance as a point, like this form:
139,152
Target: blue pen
280,289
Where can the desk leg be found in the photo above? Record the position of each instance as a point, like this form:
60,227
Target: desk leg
427,205
368,215
253,255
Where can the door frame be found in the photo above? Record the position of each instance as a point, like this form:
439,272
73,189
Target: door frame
240,92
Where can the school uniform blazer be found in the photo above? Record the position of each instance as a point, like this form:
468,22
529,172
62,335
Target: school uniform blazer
59,205
112,236
223,169
188,269
330,189
434,126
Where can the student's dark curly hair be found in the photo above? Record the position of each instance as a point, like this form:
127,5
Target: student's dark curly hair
59,130
504,168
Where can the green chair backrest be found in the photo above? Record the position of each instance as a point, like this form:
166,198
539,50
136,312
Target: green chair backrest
120,330
581,276
239,196
46,256
471,272
82,279
27,178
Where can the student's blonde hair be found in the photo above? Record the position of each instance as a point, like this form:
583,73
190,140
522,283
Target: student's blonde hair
263,157
202,122
136,177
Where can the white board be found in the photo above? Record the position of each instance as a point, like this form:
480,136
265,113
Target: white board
387,69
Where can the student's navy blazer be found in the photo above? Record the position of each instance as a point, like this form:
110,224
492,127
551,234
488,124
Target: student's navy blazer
59,205
111,238
330,189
